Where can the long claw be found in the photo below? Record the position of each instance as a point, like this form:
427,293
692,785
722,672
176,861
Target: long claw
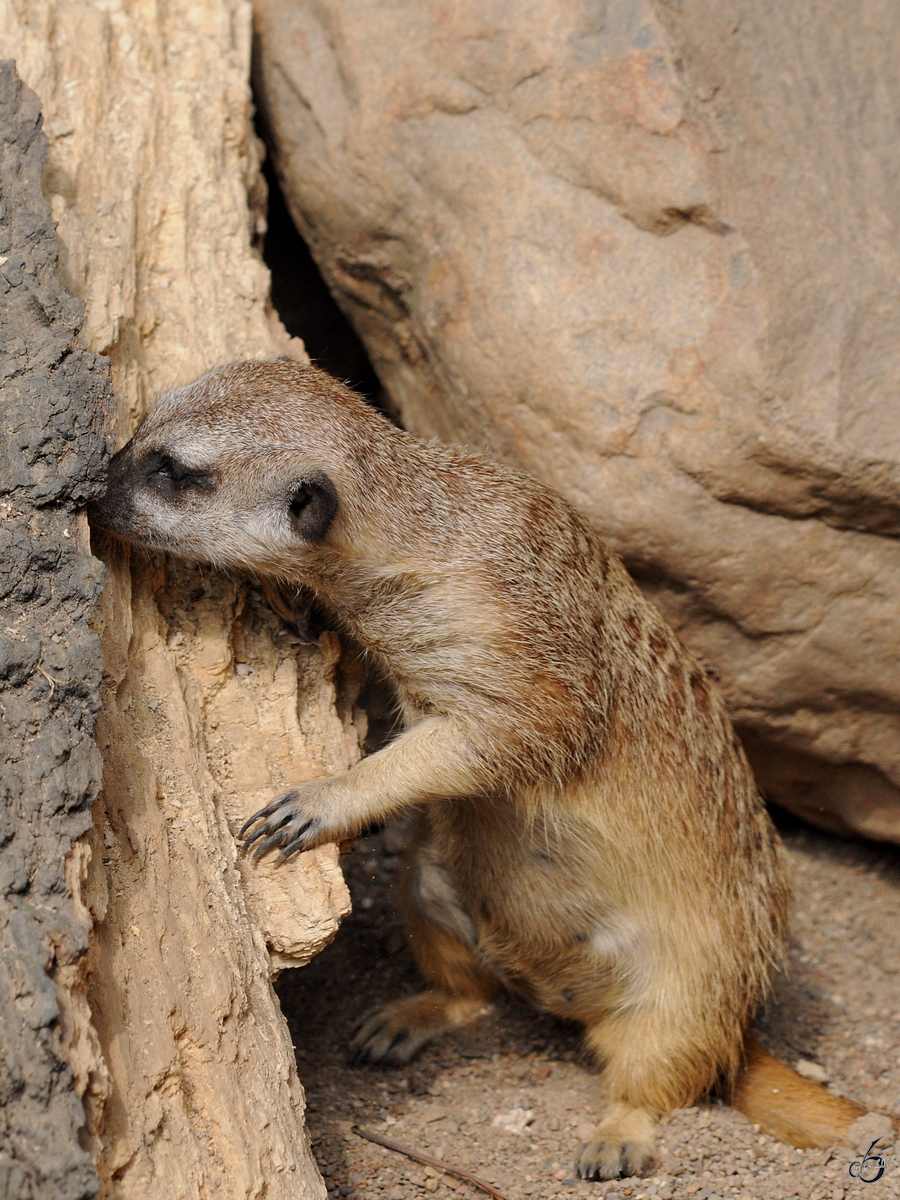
294,846
358,1052
400,1036
248,842
376,1028
269,844
257,816
269,827
364,1020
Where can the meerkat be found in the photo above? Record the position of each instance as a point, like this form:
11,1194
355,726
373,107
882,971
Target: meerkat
589,832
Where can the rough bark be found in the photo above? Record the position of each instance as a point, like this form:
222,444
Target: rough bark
53,398
209,701
648,252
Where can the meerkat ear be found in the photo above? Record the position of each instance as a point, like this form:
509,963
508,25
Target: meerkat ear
312,505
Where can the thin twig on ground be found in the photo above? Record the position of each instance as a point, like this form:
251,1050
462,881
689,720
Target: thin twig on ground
426,1160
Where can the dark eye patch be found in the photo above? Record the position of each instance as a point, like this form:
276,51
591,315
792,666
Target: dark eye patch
169,476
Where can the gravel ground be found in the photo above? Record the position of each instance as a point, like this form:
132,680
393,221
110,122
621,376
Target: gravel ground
837,1007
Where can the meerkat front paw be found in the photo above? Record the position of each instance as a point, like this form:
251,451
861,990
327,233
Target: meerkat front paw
623,1144
294,821
393,1034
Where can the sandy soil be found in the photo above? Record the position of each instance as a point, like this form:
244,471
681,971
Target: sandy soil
837,1006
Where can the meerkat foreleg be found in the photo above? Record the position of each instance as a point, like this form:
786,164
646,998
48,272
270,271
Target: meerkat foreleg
430,761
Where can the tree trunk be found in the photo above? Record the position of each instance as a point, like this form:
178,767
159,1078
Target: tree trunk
54,397
210,703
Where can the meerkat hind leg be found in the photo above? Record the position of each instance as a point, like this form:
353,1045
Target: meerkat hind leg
651,1065
623,1144
460,994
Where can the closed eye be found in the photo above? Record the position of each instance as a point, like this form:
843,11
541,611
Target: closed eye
169,475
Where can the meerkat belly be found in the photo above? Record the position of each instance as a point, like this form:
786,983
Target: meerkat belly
532,903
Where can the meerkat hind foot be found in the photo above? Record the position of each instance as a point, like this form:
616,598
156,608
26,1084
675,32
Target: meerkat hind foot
395,1033
623,1144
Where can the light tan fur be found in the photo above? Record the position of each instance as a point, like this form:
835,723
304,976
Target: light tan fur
589,833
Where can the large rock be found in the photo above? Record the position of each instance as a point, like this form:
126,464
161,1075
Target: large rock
168,1020
649,253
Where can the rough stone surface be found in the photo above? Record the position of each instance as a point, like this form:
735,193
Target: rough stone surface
54,398
647,251
209,701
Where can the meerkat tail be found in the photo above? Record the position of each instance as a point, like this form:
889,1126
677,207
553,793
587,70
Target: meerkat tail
787,1106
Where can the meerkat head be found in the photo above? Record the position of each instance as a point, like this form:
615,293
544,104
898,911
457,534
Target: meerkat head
243,468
